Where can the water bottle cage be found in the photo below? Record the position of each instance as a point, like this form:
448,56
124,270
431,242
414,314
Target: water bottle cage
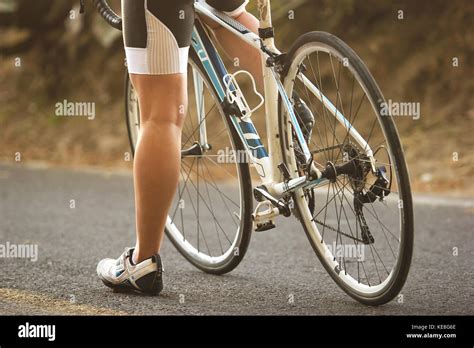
235,98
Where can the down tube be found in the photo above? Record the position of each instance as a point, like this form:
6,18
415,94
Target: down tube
216,71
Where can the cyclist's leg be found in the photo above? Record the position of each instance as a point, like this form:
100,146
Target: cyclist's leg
249,57
157,155
157,35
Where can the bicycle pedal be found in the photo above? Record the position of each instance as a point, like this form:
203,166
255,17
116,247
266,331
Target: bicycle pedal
263,216
264,226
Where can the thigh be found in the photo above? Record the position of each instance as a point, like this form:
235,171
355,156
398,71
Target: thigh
157,35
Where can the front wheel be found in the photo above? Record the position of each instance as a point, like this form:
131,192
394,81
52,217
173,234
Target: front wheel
360,224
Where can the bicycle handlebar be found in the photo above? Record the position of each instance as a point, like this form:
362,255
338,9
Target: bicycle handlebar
108,14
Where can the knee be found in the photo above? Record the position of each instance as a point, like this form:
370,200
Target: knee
171,117
160,112
162,99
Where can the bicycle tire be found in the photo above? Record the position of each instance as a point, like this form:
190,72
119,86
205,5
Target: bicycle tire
406,248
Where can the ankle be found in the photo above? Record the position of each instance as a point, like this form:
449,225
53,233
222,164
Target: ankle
138,257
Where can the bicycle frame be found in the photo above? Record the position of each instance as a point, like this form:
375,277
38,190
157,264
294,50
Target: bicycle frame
265,162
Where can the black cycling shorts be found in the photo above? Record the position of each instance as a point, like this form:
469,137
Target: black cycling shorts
157,33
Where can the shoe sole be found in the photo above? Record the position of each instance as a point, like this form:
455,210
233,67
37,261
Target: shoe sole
124,288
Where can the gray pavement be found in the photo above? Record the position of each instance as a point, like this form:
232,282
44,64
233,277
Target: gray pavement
35,209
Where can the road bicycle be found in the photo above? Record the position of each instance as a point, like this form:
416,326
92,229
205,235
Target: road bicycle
343,177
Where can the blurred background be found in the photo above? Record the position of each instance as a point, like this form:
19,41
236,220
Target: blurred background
418,51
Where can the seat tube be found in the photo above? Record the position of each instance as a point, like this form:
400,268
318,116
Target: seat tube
271,97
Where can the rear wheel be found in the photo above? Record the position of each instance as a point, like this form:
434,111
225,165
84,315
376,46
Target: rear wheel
210,219
360,225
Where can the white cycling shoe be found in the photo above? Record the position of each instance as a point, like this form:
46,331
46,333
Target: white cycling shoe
122,275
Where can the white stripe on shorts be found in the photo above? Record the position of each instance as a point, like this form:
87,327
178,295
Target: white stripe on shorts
162,54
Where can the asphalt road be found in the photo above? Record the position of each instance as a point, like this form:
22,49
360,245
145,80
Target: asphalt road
35,209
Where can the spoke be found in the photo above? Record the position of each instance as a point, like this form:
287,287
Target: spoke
221,195
352,122
214,220
192,133
317,128
325,213
338,216
375,263
220,132
368,161
311,108
338,95
374,216
384,234
356,238
182,223
230,199
199,125
370,245
180,193
343,210
225,170
321,92
210,211
372,248
225,204
359,156
370,135
195,213
188,128
350,236
325,207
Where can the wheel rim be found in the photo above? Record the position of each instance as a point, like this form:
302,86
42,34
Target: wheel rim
347,273
206,194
